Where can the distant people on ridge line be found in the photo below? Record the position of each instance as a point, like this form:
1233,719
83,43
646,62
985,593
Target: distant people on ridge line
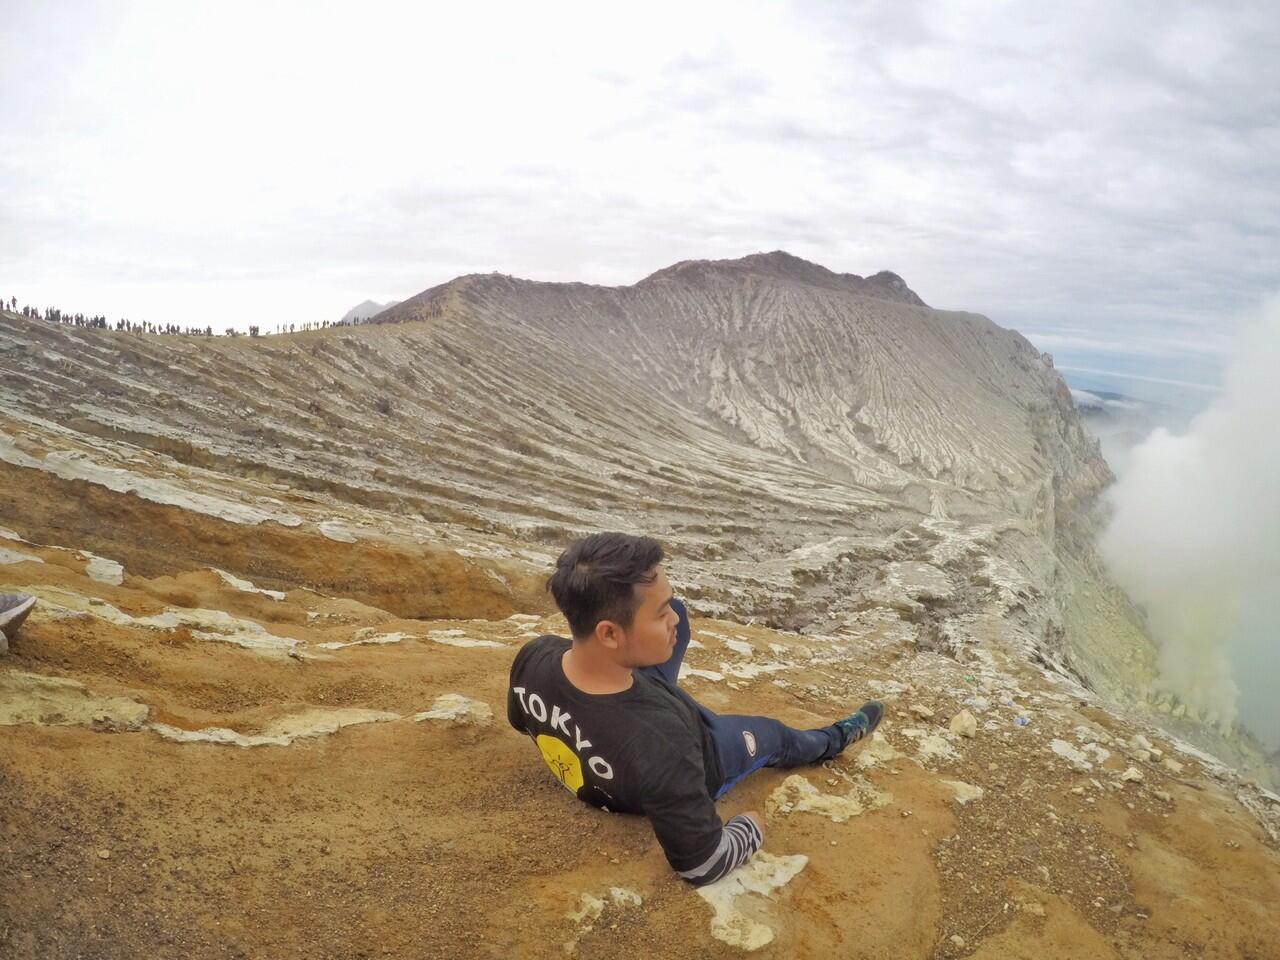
100,322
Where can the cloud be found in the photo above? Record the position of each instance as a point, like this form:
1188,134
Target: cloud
1123,375
1152,344
1195,537
1088,165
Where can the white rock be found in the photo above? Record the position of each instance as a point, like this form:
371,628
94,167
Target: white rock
246,586
688,671
934,747
875,751
459,638
103,570
965,724
1100,754
217,625
282,731
587,911
17,556
964,792
460,709
749,671
1132,775
334,530
740,900
798,795
363,637
1071,754
625,897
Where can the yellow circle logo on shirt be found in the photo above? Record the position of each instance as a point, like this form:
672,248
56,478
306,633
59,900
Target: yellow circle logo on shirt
561,761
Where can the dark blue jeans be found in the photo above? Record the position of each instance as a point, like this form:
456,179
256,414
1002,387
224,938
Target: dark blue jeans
744,744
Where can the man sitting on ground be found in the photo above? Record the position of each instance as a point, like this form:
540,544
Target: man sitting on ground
614,727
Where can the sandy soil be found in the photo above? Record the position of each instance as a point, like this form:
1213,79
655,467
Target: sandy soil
416,839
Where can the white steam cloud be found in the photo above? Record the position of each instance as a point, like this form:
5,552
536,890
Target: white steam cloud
1195,537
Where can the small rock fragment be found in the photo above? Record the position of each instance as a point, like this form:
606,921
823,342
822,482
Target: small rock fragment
459,709
963,792
625,897
965,724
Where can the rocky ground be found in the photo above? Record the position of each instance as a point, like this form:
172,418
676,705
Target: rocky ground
221,741
258,711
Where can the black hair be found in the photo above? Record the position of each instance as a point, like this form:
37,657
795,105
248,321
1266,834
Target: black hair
595,579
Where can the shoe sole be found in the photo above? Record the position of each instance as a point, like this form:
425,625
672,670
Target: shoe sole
11,618
880,716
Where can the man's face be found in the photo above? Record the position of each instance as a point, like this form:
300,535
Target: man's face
652,636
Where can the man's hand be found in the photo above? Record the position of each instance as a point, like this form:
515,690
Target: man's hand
755,818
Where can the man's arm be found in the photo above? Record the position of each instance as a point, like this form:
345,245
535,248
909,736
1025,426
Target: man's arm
669,670
697,844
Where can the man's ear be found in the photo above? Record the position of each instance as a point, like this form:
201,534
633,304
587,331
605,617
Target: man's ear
609,634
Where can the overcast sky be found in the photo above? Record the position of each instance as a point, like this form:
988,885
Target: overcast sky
1103,177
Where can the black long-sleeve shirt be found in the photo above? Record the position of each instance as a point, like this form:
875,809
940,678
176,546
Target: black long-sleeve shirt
644,750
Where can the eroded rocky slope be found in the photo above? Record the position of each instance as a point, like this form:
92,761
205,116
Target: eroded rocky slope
776,423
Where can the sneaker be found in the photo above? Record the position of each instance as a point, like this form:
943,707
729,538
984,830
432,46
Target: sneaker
14,608
862,723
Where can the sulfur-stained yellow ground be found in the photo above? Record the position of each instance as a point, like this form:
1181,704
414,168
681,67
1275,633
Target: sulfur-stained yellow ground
433,838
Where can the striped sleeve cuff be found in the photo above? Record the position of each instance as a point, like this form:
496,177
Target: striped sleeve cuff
739,839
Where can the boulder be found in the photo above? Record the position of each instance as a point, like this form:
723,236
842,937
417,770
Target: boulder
965,724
